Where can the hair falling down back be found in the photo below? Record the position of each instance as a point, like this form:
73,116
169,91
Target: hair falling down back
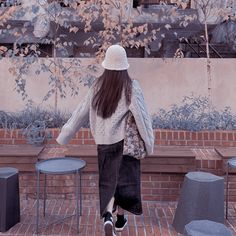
108,91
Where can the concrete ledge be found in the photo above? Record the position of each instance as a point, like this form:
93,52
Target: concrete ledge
165,159
22,157
226,153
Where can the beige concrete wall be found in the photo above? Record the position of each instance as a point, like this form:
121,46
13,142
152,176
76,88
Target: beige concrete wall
164,82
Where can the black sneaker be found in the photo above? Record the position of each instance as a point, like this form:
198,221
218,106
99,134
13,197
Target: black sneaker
120,223
108,224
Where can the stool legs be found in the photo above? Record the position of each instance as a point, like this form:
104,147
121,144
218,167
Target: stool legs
77,198
37,202
227,190
80,185
78,191
44,196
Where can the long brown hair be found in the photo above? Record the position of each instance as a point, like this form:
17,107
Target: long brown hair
108,91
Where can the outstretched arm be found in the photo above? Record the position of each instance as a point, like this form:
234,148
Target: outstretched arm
79,117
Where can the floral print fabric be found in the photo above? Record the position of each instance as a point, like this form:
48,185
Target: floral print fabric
133,144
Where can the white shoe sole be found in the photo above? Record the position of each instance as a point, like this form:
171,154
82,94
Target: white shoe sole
121,229
108,228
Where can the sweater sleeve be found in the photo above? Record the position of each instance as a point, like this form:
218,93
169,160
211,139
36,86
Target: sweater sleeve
142,117
79,117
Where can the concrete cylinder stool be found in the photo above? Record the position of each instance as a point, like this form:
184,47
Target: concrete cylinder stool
9,198
206,228
201,198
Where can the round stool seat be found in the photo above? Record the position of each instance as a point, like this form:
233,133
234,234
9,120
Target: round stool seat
203,176
232,162
206,228
6,172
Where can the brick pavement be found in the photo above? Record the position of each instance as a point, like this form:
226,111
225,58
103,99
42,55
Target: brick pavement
156,220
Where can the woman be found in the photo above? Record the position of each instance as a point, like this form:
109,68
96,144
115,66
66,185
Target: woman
106,107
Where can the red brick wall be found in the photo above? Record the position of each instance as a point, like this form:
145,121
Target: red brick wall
59,186
162,137
202,138
155,187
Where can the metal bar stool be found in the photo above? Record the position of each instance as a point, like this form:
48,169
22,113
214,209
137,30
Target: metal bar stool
230,164
60,166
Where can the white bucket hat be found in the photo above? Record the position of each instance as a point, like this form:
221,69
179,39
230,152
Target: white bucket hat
115,58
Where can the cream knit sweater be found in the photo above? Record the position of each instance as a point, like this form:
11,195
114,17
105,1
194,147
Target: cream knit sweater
112,129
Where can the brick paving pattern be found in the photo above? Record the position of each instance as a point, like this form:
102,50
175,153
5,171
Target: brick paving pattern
155,221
